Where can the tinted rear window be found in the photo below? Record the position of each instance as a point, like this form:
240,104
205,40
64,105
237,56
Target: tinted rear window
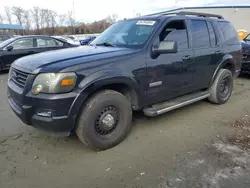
229,33
200,34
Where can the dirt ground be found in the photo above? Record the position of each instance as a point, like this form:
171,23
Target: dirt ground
196,146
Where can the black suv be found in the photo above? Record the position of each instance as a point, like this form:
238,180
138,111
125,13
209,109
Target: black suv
154,63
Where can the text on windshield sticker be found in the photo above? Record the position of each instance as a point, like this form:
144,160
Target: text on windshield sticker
145,22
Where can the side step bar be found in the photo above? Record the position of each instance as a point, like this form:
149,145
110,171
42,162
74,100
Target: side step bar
176,103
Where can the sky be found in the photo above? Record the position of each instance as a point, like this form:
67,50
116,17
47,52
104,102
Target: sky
91,10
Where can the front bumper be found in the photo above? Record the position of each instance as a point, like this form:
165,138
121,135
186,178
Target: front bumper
63,109
245,67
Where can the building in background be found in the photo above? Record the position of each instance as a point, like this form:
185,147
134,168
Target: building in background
238,15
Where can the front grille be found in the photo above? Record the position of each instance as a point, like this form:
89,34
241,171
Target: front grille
246,50
19,77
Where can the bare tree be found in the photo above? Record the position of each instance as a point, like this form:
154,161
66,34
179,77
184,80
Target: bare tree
53,16
19,13
62,19
111,18
27,21
46,21
46,18
1,19
71,21
114,17
36,17
42,15
8,14
138,14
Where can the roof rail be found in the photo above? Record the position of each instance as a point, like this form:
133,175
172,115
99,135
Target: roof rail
185,13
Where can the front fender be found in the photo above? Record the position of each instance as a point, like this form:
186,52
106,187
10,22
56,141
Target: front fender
99,79
105,77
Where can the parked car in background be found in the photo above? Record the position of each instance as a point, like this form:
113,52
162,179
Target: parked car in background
245,69
20,46
4,37
71,37
87,40
69,40
247,38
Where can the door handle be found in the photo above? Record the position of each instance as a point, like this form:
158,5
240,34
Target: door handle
186,58
218,52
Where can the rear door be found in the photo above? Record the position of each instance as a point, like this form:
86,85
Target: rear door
207,51
21,47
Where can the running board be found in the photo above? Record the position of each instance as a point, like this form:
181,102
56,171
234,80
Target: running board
176,103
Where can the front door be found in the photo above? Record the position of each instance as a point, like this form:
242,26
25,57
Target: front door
21,47
171,75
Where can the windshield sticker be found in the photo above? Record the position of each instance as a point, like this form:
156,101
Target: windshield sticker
145,22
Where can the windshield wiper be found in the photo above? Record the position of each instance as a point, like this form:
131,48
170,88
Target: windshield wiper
105,44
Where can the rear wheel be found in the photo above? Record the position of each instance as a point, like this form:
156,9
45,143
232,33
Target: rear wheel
105,120
222,87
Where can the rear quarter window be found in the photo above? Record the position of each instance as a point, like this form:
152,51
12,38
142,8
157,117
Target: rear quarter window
229,33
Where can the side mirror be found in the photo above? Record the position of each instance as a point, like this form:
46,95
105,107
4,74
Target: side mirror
165,47
9,48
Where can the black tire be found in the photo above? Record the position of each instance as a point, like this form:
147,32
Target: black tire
93,132
222,87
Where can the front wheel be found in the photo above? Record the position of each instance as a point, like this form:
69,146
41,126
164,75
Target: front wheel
105,120
222,87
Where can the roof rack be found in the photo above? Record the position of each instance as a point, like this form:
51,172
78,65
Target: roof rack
187,13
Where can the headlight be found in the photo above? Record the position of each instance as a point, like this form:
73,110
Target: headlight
10,72
54,83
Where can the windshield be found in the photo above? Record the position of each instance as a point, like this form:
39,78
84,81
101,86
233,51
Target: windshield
129,33
6,42
247,37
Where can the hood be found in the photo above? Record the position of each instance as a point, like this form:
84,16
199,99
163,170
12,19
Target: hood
76,55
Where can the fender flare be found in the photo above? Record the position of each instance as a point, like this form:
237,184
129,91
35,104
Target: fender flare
106,77
225,60
98,80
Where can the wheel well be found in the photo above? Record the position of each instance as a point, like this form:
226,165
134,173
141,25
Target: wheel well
124,89
230,67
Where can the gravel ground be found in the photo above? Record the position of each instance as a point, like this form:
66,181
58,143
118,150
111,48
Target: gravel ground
197,146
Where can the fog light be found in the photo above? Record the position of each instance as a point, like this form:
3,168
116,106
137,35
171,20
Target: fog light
44,112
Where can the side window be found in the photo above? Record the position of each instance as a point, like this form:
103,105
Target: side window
23,44
229,33
213,39
200,34
176,31
48,43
